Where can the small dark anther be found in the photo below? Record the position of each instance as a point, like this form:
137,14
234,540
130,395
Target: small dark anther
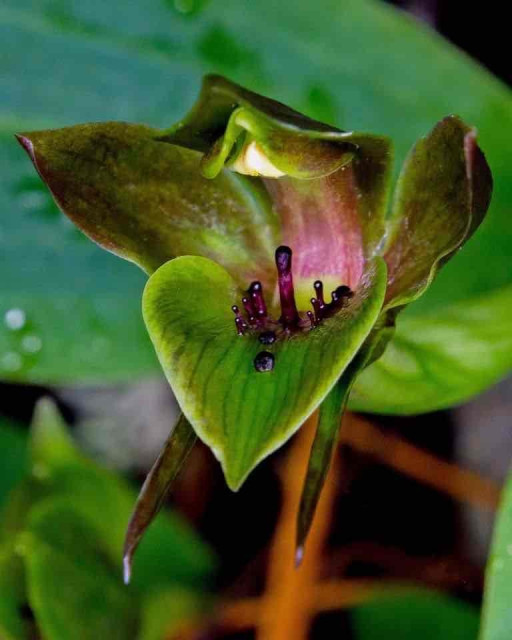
248,307
267,337
283,259
257,300
319,290
344,292
311,317
240,323
264,362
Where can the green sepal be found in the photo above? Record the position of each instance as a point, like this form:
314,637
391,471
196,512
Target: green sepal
322,450
441,198
147,202
156,487
329,425
241,414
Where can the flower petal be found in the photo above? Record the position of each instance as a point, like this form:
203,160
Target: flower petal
146,201
332,199
242,414
442,196
334,223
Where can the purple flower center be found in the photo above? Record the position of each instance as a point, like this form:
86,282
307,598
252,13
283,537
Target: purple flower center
258,320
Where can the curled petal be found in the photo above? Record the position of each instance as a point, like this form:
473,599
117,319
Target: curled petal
442,196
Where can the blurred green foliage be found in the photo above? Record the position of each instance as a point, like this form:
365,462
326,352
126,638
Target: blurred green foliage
358,64
61,537
497,610
414,614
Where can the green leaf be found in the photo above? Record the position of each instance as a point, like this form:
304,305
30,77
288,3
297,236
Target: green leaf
150,59
156,487
439,359
496,613
146,201
406,614
170,552
13,458
242,414
441,198
164,611
12,594
72,589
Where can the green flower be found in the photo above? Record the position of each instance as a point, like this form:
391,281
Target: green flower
248,215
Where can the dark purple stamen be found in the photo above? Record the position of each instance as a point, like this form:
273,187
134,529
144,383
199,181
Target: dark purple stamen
323,309
341,293
289,314
319,290
240,323
267,337
264,361
270,330
257,300
249,309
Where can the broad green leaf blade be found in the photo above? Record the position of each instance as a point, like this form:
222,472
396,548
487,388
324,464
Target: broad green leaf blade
442,196
439,359
414,614
497,613
242,414
73,591
146,201
156,487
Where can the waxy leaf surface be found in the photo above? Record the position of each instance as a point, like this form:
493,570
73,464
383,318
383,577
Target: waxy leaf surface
242,414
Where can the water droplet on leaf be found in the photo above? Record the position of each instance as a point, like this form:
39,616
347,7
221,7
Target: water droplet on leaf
31,344
11,361
15,319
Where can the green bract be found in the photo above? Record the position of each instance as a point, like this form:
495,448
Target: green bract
203,206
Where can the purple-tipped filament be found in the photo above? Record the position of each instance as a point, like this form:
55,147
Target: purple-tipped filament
269,330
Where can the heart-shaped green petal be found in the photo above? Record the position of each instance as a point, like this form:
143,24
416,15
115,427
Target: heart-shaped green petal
243,414
442,196
146,200
155,488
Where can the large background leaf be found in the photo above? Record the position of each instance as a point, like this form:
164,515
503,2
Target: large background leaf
357,64
497,612
407,614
